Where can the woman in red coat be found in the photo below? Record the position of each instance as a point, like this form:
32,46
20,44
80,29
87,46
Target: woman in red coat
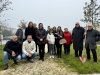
68,38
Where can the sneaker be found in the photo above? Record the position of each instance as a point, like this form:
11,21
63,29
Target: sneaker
50,56
5,66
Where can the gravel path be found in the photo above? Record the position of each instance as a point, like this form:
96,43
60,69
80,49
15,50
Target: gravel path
48,67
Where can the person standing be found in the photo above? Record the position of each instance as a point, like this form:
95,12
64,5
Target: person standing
21,33
12,50
30,30
54,33
92,36
59,36
28,49
35,38
41,40
51,41
77,37
68,38
48,30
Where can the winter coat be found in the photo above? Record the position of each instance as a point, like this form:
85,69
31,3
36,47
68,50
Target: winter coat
13,46
58,37
78,36
28,47
68,38
92,36
30,31
50,38
20,34
41,34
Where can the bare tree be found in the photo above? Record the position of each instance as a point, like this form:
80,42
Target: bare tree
22,22
4,5
92,12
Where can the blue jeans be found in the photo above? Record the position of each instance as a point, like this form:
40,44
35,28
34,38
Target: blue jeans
51,49
24,56
66,49
7,56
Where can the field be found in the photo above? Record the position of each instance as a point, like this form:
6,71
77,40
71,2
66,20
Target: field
87,68
74,63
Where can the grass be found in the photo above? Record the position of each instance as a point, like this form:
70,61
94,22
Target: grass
74,63
1,57
87,68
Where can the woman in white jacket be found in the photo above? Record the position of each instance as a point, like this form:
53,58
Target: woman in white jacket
51,41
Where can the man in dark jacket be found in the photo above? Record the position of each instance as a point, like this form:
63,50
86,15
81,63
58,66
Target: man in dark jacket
92,36
21,33
12,50
41,40
78,36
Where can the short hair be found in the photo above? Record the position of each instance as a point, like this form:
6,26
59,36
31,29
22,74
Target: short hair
29,35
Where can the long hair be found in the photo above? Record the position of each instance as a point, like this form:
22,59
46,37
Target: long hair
29,24
39,25
54,29
50,31
59,30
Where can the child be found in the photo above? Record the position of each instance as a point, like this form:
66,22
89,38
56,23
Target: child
51,41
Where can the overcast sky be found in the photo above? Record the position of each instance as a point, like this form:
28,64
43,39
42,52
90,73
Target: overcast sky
50,12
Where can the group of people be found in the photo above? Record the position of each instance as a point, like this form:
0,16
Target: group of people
27,40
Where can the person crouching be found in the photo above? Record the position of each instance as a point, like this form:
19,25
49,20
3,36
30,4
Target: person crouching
12,50
28,49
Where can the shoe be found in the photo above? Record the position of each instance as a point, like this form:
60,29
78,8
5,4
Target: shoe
95,61
77,56
60,57
15,62
5,66
43,59
88,59
40,59
31,61
50,56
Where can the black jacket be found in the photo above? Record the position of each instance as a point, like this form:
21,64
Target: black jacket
41,34
78,36
30,31
58,37
19,33
13,46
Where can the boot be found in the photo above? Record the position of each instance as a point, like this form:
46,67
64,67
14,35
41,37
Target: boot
42,59
5,66
15,62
